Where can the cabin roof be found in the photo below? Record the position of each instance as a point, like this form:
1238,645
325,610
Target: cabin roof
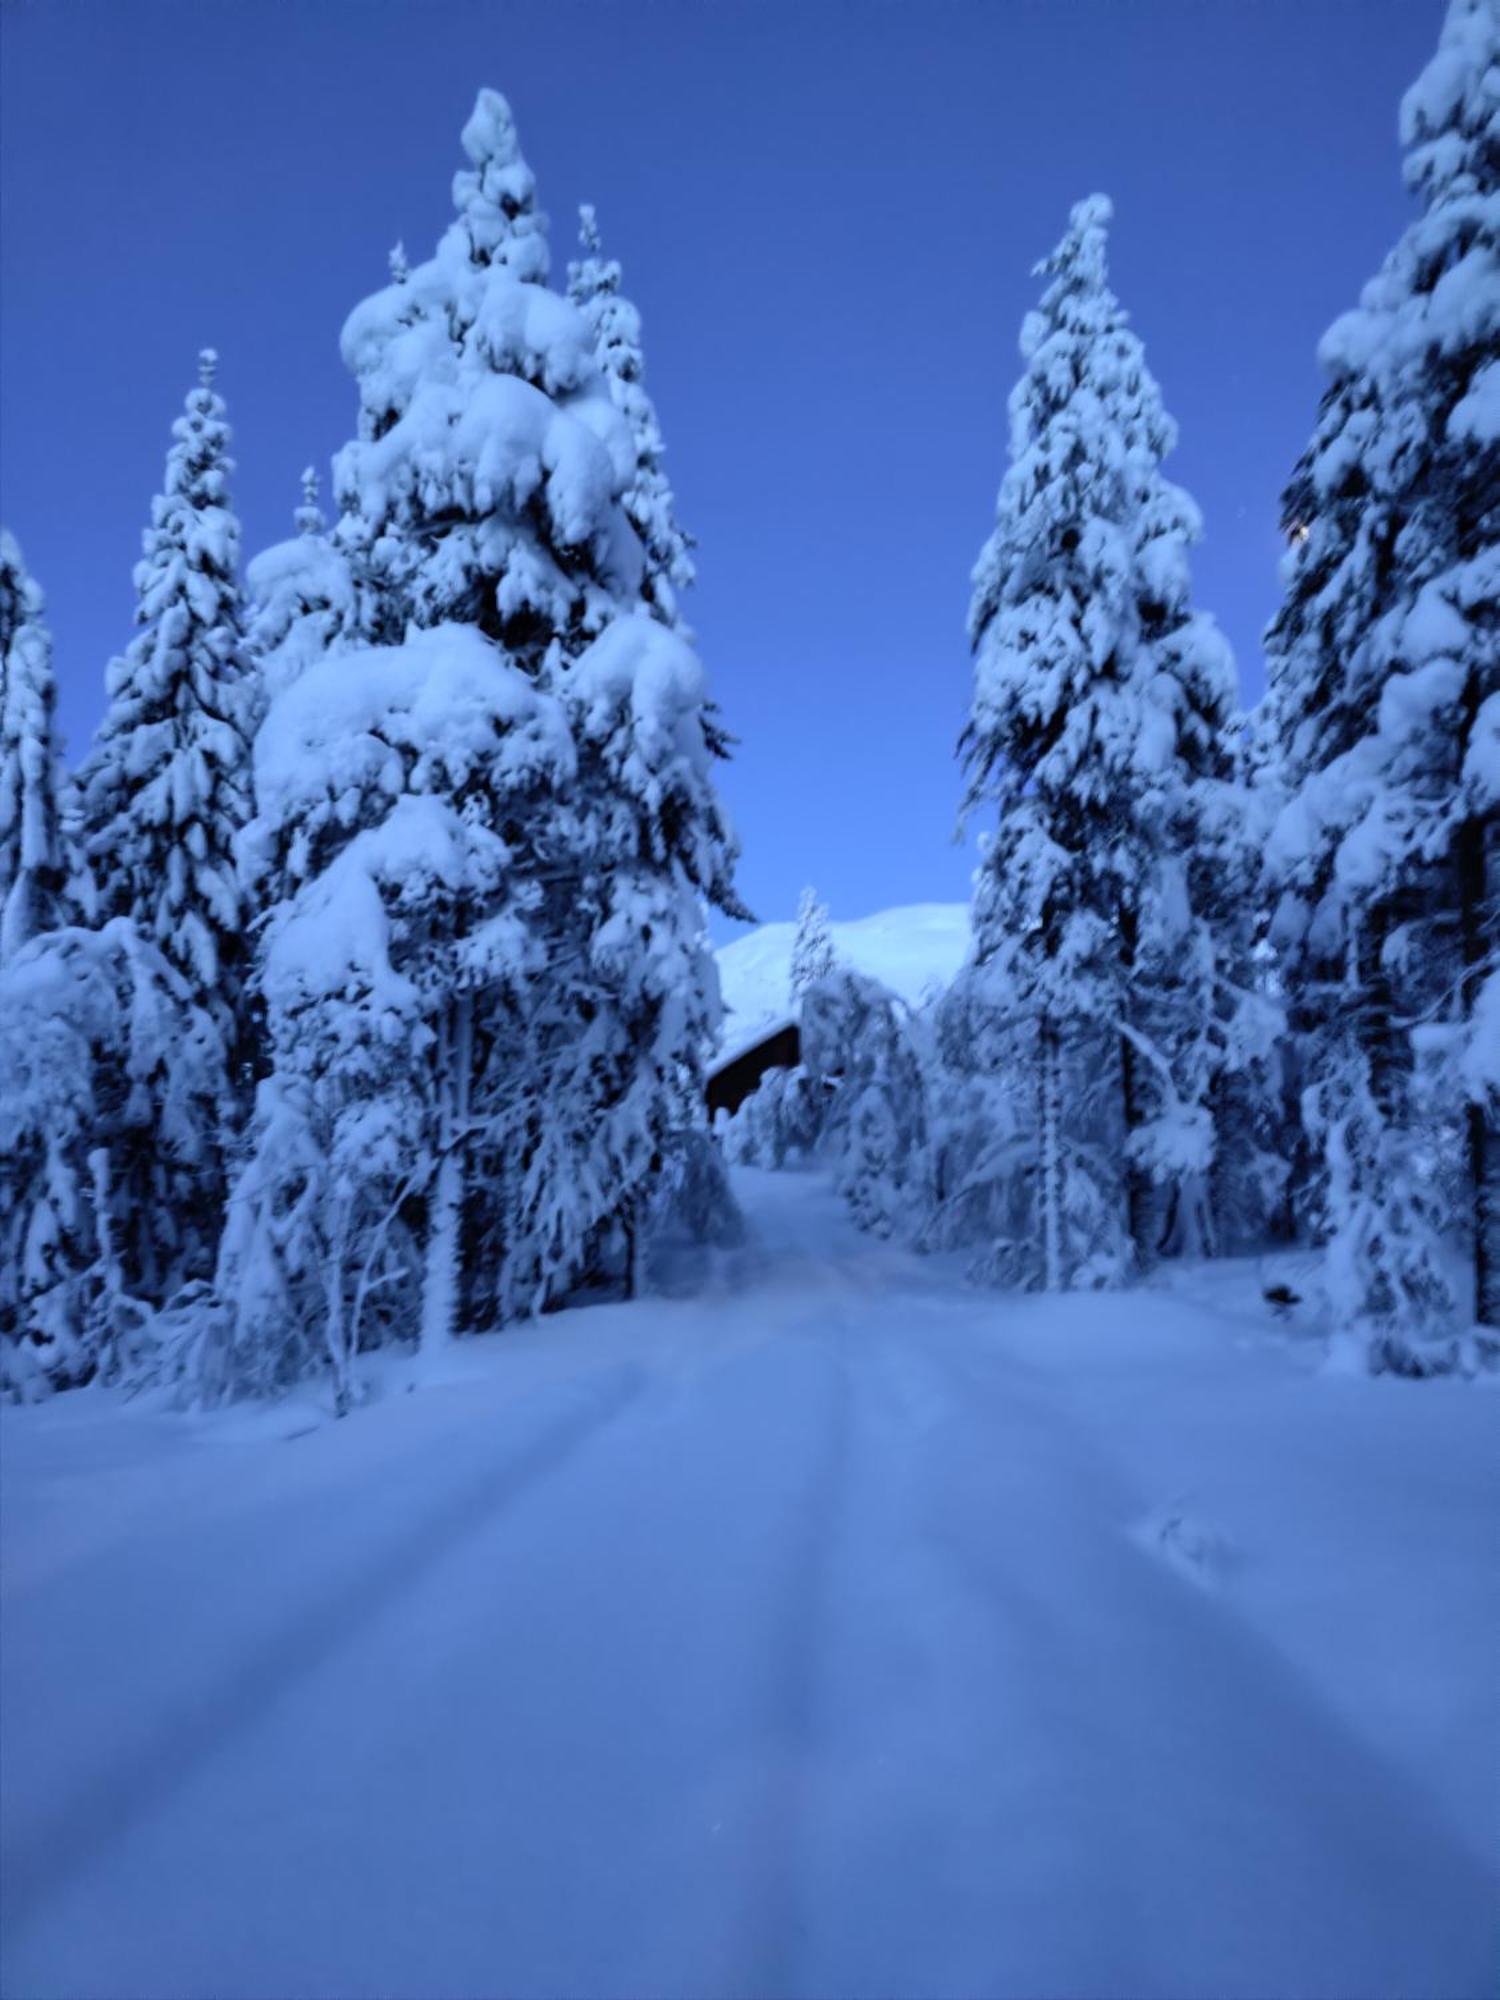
740,1041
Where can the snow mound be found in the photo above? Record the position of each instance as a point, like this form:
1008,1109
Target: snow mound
914,951
1194,1548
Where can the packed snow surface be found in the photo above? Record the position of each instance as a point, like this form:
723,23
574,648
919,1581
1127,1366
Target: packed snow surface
837,1631
913,951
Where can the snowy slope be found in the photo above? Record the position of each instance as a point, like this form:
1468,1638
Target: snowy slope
844,1633
909,950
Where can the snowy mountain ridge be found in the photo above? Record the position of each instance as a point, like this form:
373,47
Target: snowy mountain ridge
911,949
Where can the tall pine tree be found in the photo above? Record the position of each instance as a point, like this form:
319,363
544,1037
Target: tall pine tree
510,794
1098,731
33,867
167,785
1385,682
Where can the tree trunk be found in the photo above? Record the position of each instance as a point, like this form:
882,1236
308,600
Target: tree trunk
1377,1033
440,1286
339,1334
1144,1197
104,1234
631,1224
1478,856
1376,1039
440,1274
1484,1167
1051,1162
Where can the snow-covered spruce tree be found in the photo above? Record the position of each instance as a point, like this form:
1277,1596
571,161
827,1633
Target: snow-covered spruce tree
105,1062
1256,1124
649,846
33,862
594,287
858,1102
515,780
399,792
693,1214
982,1124
812,947
1097,729
469,361
1385,682
302,599
862,1064
167,784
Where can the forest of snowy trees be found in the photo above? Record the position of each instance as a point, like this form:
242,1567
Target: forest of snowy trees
358,987
355,989
1235,978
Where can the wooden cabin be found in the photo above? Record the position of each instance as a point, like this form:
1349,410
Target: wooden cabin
732,1081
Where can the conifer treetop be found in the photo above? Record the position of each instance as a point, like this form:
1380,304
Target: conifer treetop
1450,117
1388,558
812,947
1088,430
199,466
486,480
1438,288
594,287
496,195
167,782
302,599
1088,561
1083,251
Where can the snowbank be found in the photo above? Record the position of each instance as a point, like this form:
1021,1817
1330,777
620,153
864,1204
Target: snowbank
842,1632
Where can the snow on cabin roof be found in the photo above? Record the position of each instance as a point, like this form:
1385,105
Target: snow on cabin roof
740,1036
914,951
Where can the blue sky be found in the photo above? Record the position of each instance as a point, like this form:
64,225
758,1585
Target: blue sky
828,214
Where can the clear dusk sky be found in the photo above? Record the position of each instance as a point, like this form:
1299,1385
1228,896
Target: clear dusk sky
828,215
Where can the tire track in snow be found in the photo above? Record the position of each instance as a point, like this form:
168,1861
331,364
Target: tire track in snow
824,1642
1235,1790
1079,1774
45,1858
778,1911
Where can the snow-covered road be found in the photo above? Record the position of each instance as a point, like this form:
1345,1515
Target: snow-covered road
842,1633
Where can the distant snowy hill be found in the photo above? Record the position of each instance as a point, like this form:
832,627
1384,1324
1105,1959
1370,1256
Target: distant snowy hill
910,950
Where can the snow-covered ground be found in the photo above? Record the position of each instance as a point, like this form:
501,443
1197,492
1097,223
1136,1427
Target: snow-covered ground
912,950
843,1632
